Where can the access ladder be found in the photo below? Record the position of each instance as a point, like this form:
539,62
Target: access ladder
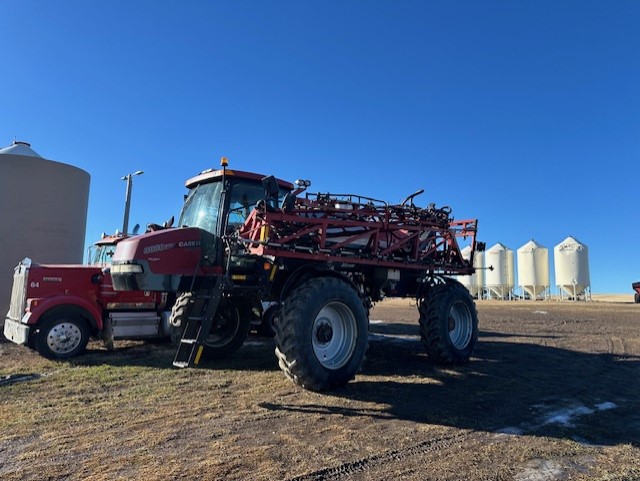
198,325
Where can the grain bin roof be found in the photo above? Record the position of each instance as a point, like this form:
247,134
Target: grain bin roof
20,148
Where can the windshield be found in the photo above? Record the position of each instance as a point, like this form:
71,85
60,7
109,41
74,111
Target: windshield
202,205
101,255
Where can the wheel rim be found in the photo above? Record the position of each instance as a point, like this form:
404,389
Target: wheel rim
334,335
460,325
224,329
64,337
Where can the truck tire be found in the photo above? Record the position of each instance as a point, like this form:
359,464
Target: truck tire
229,330
322,334
62,336
448,323
267,325
636,297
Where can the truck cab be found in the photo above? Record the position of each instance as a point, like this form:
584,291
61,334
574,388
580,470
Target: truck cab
56,308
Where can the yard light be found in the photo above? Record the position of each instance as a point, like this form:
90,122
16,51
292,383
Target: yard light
127,202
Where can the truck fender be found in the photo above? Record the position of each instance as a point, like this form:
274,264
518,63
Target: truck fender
89,311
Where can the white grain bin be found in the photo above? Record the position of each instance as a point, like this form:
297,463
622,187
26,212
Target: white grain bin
44,212
533,269
475,282
501,280
478,263
571,259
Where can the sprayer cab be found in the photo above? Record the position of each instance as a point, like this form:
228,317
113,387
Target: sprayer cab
179,259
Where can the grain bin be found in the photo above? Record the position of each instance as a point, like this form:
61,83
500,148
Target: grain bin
571,259
533,269
500,280
44,212
475,282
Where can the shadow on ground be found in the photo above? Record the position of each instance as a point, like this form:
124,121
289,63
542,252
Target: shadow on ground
511,387
256,355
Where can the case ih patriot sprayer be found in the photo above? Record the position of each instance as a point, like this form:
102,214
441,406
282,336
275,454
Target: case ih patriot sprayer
56,308
243,239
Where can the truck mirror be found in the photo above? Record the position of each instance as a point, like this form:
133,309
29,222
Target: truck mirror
271,189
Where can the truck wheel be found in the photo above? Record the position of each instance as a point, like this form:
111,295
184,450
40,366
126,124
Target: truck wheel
448,323
227,334
322,334
267,325
62,336
636,297
229,330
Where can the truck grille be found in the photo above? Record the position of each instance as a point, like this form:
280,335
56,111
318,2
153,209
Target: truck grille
19,293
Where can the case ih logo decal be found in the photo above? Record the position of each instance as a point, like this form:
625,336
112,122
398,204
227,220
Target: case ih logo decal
193,243
158,248
165,247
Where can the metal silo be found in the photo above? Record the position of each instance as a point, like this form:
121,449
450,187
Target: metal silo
475,282
467,281
533,269
571,259
500,280
44,212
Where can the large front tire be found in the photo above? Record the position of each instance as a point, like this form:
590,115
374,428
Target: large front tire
62,336
322,334
228,332
448,323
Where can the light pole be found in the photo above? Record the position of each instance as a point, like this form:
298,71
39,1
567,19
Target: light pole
127,203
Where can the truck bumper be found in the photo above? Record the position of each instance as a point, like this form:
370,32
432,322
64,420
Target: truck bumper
16,332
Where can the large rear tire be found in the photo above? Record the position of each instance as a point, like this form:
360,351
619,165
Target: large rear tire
322,334
448,323
228,332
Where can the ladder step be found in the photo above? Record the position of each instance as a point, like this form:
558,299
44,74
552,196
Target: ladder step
197,327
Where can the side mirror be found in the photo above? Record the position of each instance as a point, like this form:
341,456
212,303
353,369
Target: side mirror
271,189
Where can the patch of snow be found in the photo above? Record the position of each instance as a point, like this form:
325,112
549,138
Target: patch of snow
379,337
510,430
565,416
540,470
544,313
376,321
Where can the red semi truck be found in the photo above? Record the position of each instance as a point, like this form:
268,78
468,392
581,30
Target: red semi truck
55,309
636,287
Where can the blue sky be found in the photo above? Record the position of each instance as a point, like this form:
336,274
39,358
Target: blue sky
525,115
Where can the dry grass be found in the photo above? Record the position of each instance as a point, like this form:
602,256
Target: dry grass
128,415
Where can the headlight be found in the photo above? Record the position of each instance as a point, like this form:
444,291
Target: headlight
126,269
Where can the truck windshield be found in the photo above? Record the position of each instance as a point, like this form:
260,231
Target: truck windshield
100,255
202,205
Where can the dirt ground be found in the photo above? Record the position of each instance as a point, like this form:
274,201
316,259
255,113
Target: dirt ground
551,393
